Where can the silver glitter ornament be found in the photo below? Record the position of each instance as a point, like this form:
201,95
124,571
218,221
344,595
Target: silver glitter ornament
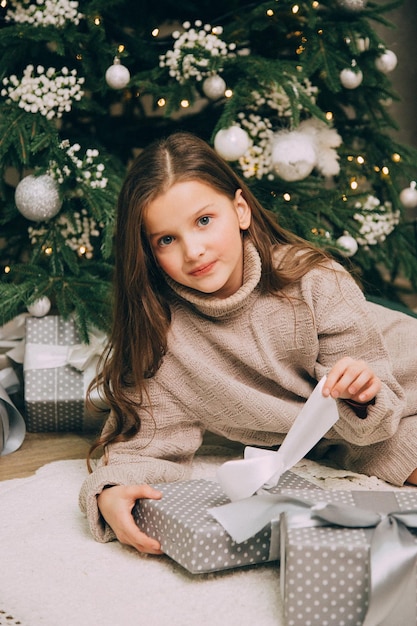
37,197
117,75
352,5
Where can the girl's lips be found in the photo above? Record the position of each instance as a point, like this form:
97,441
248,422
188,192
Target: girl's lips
203,269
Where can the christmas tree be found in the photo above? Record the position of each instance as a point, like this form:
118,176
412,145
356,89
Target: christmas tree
294,94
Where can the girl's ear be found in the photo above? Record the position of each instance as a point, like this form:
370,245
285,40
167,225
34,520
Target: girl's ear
243,210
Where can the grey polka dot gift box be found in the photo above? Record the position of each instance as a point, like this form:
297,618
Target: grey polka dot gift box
54,397
191,536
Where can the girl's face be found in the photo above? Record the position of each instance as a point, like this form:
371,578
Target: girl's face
195,235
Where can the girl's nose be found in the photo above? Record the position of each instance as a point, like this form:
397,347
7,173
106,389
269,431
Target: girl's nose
192,248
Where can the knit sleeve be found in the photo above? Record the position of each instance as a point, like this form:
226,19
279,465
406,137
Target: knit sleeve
161,451
347,326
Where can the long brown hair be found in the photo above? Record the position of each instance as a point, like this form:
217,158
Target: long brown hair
141,317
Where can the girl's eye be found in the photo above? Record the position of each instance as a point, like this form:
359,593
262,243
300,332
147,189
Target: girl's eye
204,220
165,241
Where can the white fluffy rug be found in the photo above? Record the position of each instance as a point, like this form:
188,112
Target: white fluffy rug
53,573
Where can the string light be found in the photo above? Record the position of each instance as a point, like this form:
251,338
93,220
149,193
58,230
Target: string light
396,157
155,32
48,251
287,197
295,8
354,184
228,93
185,104
329,116
7,269
350,157
385,171
161,102
315,4
3,4
120,48
270,12
97,20
360,160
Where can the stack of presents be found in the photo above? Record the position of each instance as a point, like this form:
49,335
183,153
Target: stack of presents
345,558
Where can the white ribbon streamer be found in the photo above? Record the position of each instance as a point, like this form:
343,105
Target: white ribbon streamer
242,478
12,424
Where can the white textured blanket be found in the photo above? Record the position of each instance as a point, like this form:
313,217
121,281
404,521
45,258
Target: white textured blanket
52,573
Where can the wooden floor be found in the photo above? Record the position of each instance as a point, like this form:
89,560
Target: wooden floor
41,448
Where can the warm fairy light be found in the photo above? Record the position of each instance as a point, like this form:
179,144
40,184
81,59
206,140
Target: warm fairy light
185,104
217,30
97,20
320,31
376,168
295,8
228,93
79,57
360,160
48,251
287,197
300,50
7,269
354,184
120,48
161,102
329,116
396,157
315,4
155,32
3,4
350,157
82,250
385,170
344,198
269,12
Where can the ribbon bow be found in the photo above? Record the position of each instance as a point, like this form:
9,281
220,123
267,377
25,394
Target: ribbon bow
393,549
12,424
242,478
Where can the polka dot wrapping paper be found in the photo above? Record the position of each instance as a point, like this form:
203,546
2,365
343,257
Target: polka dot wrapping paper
54,397
325,571
191,536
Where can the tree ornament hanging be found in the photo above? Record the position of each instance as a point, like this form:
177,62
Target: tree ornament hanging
352,5
351,78
386,62
40,307
231,143
348,244
37,197
117,75
408,196
214,87
293,155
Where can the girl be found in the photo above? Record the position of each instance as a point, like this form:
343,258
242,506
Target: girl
225,322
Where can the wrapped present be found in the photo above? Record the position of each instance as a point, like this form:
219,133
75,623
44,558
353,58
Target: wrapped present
345,557
189,534
57,371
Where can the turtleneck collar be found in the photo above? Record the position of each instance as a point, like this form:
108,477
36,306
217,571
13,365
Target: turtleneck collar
220,307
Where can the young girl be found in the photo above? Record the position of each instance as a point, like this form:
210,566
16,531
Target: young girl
225,322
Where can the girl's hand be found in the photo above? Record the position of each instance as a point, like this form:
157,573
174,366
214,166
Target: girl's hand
352,380
116,504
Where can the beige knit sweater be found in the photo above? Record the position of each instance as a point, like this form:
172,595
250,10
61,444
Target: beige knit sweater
242,367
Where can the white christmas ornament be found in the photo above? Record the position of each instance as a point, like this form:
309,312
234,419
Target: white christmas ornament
37,197
349,245
352,5
408,196
386,62
117,75
326,140
214,87
232,143
351,78
293,155
40,307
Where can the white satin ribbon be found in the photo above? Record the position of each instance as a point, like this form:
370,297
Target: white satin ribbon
12,424
242,478
12,336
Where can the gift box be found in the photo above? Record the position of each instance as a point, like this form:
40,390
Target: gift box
54,389
349,571
190,535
